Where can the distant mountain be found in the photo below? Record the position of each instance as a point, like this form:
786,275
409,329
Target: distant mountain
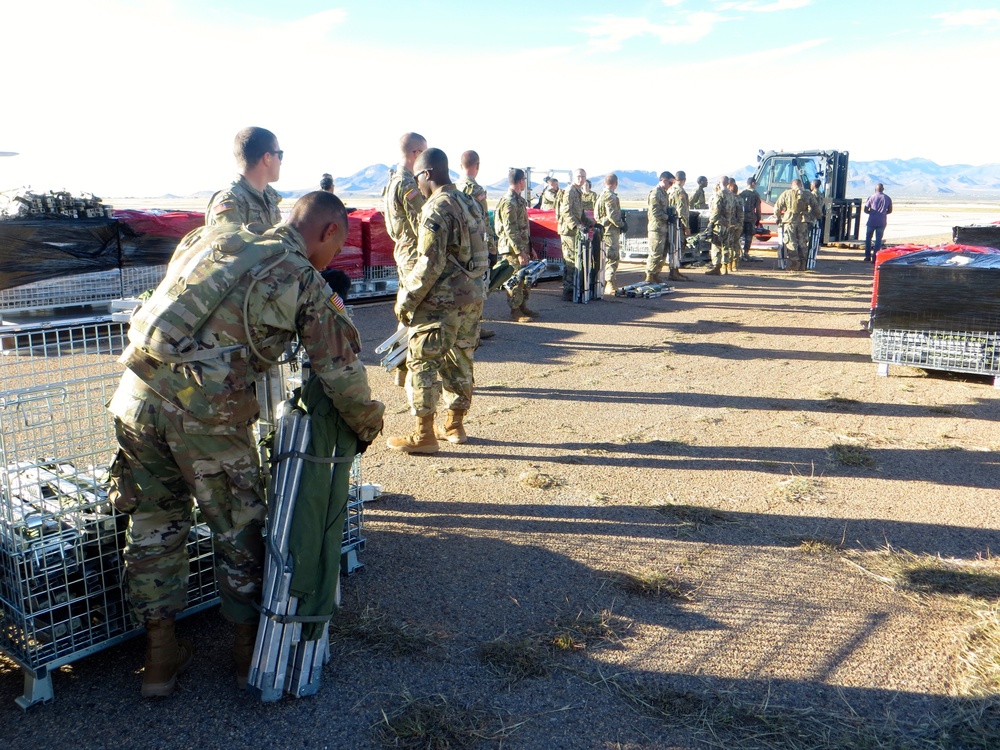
902,178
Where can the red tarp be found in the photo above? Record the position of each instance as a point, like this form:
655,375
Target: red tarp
350,260
376,242
172,224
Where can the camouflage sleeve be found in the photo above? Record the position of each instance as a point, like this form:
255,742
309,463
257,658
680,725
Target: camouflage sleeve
817,208
333,344
779,206
412,200
430,260
657,208
715,210
520,233
491,240
225,208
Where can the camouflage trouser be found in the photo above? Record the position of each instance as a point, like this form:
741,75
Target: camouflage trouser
657,252
610,244
442,342
797,236
165,458
721,246
569,253
519,294
734,241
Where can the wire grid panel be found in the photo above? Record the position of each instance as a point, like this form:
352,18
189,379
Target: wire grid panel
381,273
139,279
959,351
61,572
634,248
78,289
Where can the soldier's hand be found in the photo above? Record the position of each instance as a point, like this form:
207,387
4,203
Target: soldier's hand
403,316
363,445
524,259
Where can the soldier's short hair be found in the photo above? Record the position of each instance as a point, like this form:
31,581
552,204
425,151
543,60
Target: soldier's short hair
435,160
251,144
703,181
588,183
751,182
797,182
411,142
681,174
326,182
469,159
515,175
319,207
666,176
611,179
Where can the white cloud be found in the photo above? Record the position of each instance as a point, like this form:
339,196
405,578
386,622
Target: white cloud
610,32
969,17
772,7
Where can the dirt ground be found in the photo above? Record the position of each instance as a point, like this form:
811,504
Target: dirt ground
695,521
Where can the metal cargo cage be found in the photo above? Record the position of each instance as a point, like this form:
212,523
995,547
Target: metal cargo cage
975,352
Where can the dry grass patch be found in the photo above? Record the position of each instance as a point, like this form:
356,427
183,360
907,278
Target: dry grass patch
539,480
588,631
818,547
690,519
375,630
851,454
656,585
981,657
432,723
801,489
517,659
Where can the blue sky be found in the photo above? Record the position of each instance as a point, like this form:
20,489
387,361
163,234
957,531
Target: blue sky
143,98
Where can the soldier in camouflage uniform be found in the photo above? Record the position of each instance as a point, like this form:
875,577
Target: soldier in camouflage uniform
469,186
720,213
678,198
250,199
735,225
401,204
608,213
588,196
657,226
698,199
228,307
796,210
441,301
514,241
551,197
572,219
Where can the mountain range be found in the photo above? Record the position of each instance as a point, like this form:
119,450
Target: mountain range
914,178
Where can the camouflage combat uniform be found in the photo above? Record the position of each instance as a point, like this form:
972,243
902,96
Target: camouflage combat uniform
735,226
571,220
608,213
720,213
698,199
242,203
551,199
184,427
513,240
403,202
589,200
443,299
678,198
795,210
470,187
657,228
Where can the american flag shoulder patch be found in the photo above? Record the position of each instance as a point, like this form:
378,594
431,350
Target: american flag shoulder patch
223,206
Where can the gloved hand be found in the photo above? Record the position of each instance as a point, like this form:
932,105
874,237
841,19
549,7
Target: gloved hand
403,316
362,445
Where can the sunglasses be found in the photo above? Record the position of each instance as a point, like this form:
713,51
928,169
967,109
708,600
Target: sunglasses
279,153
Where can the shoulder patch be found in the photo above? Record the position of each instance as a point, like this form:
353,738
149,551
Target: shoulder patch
431,226
218,208
412,194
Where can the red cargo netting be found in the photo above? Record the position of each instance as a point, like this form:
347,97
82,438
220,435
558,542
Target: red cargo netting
375,240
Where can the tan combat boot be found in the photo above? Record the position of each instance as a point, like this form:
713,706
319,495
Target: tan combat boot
421,440
453,430
243,644
166,658
527,311
486,333
714,271
516,316
400,376
676,275
609,289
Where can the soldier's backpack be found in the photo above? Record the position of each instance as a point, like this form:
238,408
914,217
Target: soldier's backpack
166,326
749,206
478,225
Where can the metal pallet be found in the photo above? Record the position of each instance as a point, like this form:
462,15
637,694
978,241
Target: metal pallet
975,352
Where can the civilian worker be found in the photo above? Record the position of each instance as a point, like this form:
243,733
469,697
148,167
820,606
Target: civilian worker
230,304
878,207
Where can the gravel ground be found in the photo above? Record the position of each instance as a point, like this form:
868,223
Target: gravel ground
684,447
